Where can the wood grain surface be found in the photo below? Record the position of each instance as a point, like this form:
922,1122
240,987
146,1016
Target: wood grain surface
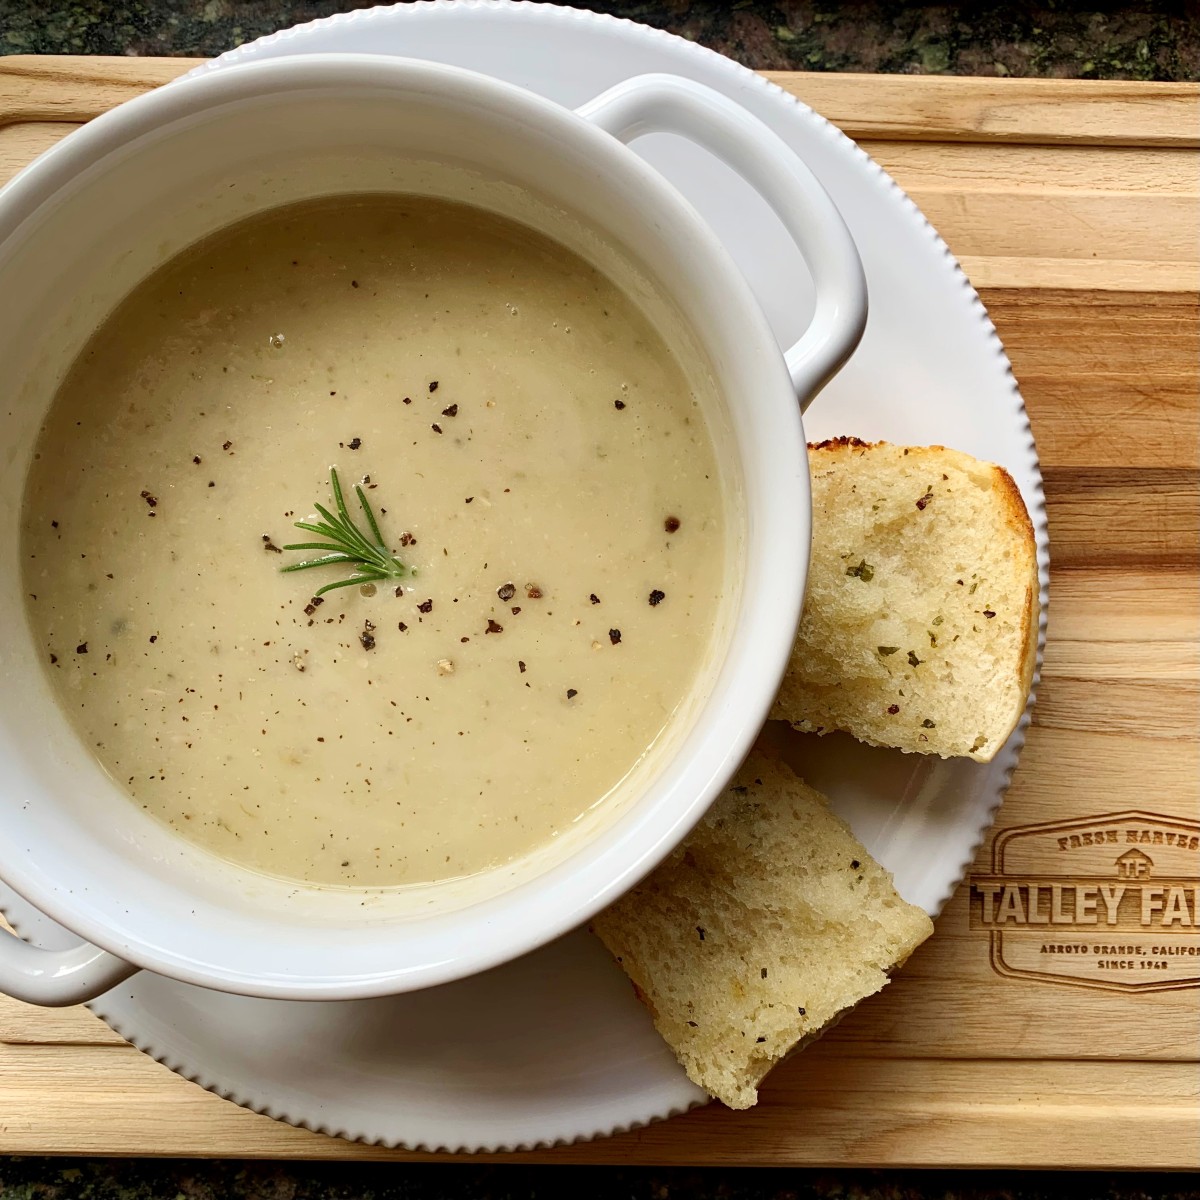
1074,207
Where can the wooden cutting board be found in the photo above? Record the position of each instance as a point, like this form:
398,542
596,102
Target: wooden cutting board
1075,209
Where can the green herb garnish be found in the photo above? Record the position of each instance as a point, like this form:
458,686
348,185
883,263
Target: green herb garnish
371,559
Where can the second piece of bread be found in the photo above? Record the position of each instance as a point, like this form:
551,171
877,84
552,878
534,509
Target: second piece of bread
759,931
920,622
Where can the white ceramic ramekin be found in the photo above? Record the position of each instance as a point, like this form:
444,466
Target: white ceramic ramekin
95,214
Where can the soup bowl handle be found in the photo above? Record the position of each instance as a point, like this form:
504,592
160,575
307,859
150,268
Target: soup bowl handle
57,978
672,104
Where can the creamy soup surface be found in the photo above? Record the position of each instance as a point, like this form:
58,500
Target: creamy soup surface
534,454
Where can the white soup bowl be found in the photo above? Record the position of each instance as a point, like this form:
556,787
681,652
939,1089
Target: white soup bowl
92,217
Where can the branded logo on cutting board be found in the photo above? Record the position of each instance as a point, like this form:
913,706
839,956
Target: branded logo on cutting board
1112,902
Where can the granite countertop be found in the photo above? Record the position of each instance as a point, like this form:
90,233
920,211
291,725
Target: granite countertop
1097,41
100,1179
1149,41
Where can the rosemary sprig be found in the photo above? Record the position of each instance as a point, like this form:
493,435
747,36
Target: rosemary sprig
346,543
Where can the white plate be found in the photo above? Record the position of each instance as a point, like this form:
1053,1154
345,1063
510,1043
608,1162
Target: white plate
554,1047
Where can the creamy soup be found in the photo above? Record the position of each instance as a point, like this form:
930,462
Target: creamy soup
536,460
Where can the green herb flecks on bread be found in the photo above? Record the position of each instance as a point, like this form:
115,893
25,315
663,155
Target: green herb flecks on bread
920,622
765,925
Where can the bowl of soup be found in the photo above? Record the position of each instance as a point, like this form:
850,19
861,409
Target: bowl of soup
404,514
